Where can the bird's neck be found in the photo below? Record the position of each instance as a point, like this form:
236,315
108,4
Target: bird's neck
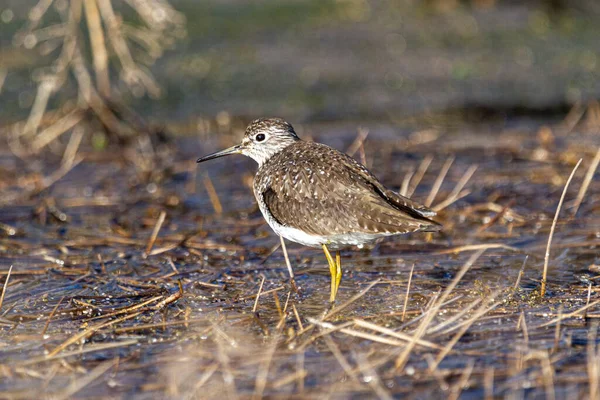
265,154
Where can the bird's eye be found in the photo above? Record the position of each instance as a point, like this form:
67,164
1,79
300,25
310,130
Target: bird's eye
260,137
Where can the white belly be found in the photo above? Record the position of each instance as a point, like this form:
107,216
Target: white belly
332,241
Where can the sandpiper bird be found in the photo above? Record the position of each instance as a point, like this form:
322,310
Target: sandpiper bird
314,195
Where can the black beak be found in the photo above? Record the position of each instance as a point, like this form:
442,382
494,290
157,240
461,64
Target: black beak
237,149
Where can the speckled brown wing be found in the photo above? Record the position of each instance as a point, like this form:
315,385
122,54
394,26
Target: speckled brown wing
323,192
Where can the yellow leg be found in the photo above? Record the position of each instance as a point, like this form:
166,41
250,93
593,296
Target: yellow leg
332,271
338,276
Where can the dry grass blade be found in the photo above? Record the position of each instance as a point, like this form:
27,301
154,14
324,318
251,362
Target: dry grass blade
340,358
5,286
593,363
159,222
432,312
520,276
3,74
170,299
547,255
350,301
471,247
73,145
212,194
203,379
371,376
397,335
90,348
262,282
405,182
358,142
571,314
442,327
589,175
77,337
51,133
298,320
456,192
82,382
451,200
98,46
483,309
287,259
352,332
49,317
419,175
488,383
412,270
462,382
226,372
438,182
263,370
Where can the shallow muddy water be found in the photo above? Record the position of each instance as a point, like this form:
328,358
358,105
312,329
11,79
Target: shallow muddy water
136,273
84,300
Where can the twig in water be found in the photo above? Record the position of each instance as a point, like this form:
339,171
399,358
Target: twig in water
547,256
573,117
55,130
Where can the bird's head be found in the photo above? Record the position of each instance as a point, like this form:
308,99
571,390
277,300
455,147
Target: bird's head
264,138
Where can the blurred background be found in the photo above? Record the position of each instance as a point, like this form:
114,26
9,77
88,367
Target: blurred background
318,60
